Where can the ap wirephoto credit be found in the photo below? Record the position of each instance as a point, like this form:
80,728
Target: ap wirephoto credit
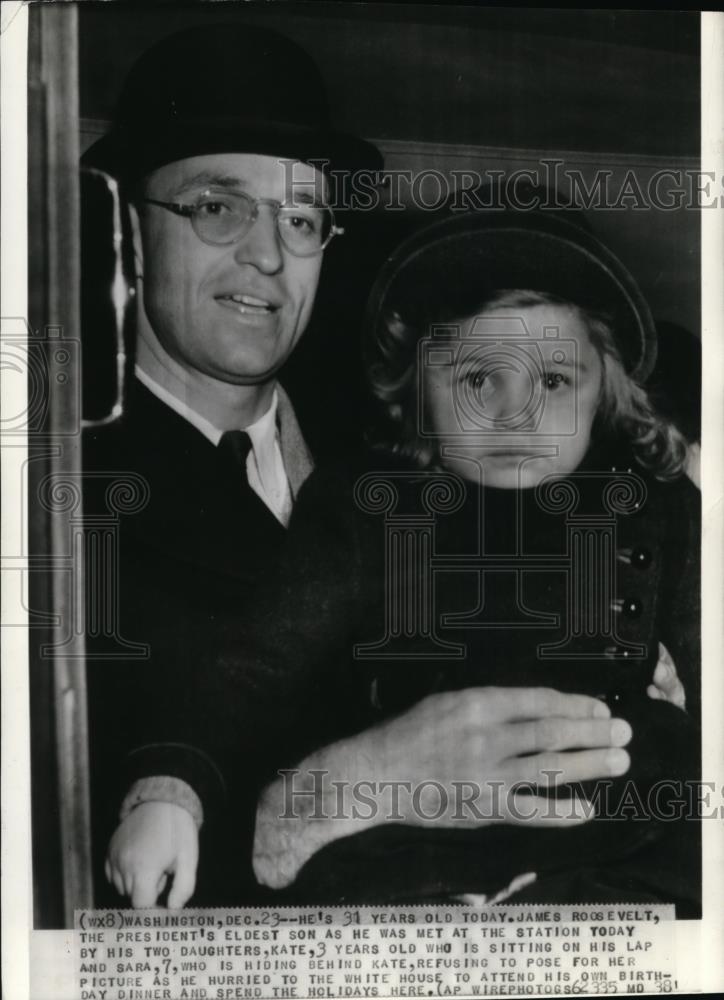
361,440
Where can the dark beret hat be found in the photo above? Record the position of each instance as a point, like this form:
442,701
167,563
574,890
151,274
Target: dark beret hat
463,257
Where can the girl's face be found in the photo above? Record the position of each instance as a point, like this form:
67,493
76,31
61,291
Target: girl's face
515,391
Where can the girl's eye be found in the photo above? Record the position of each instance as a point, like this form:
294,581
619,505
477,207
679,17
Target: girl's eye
554,380
477,378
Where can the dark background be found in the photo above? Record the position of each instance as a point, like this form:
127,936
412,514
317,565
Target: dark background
598,80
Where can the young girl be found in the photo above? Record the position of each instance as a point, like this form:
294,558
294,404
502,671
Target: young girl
522,522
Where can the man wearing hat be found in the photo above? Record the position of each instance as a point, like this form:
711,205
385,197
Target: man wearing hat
213,143
212,126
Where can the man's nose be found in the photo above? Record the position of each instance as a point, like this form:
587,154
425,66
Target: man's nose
261,246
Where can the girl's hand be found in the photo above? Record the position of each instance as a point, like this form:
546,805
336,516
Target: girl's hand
155,840
666,685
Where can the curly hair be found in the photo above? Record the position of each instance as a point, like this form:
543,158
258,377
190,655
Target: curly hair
624,409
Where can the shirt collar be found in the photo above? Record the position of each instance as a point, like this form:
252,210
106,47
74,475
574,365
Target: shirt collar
262,432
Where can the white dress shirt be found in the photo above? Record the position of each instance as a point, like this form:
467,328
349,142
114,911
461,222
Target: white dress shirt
264,465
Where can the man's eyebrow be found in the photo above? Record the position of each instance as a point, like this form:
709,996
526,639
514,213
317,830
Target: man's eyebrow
209,179
304,198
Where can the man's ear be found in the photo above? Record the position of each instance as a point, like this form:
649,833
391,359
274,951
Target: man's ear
137,240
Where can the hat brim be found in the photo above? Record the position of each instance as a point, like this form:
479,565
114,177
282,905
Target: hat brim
132,153
456,263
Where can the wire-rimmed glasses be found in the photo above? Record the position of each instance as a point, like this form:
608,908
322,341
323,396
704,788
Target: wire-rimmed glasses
223,218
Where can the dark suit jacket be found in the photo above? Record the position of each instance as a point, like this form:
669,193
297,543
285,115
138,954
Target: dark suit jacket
190,549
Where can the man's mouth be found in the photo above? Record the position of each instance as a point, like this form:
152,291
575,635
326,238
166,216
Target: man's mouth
248,305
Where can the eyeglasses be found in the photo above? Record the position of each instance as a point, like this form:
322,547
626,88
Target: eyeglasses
220,219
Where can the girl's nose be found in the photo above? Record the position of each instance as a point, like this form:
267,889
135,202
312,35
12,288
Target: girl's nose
511,401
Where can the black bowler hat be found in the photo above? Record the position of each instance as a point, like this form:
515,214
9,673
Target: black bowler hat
453,264
228,88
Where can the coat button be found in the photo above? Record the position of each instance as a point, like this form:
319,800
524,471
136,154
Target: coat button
617,653
639,557
629,607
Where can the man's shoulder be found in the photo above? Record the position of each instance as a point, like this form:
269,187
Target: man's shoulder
147,433
153,452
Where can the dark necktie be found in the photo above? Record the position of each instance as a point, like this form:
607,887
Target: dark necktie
233,448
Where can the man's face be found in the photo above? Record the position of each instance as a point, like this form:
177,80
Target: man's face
236,312
523,408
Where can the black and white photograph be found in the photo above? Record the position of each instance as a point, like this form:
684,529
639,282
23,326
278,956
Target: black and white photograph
361,446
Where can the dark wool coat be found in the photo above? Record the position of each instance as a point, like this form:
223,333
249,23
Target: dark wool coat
307,664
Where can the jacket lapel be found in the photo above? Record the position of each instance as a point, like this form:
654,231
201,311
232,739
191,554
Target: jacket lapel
296,456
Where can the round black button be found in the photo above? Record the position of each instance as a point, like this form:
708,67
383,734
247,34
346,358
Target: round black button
631,607
641,557
617,653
